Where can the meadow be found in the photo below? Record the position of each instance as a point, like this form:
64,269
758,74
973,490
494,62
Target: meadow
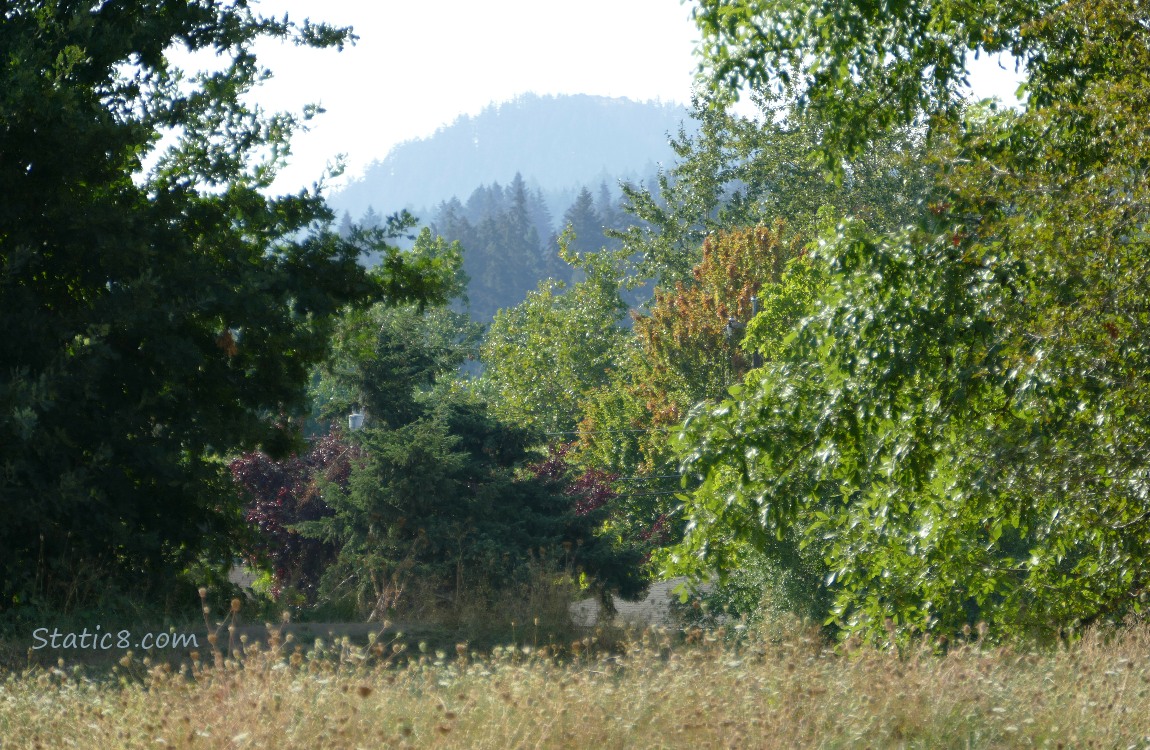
658,688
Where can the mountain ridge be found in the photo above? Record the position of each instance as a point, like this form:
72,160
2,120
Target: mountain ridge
559,143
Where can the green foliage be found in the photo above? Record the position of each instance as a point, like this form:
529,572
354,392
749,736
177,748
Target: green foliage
724,533
862,67
958,428
687,349
155,322
746,171
543,355
438,502
767,591
386,359
783,305
443,499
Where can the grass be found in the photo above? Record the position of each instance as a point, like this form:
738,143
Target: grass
655,689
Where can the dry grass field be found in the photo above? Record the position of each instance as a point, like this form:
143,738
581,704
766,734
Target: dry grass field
657,689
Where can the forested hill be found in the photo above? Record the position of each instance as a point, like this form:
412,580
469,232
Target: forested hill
558,143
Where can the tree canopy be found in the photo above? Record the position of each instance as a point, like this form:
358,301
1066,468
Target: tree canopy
957,426
436,495
863,66
735,171
155,320
543,355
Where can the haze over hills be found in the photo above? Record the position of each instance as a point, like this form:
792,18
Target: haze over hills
558,143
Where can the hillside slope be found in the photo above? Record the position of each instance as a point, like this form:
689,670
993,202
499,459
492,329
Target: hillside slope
558,143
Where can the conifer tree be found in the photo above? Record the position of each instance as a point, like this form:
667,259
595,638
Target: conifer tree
585,221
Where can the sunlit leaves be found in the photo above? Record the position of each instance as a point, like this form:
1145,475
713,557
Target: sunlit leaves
545,354
970,438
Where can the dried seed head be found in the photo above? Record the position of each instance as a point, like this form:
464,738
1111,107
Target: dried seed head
235,605
203,592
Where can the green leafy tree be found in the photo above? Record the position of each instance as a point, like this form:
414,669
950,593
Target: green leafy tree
437,504
543,355
386,359
959,426
736,171
156,322
687,350
862,67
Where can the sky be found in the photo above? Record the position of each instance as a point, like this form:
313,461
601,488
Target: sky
418,66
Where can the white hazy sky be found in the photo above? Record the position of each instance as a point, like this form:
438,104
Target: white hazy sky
418,66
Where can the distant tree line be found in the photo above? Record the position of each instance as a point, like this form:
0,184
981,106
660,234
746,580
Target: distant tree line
512,239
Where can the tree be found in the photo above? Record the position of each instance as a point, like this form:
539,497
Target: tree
371,219
958,426
690,336
281,494
437,504
504,254
736,171
585,222
160,321
385,359
686,350
862,67
346,227
442,495
543,355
